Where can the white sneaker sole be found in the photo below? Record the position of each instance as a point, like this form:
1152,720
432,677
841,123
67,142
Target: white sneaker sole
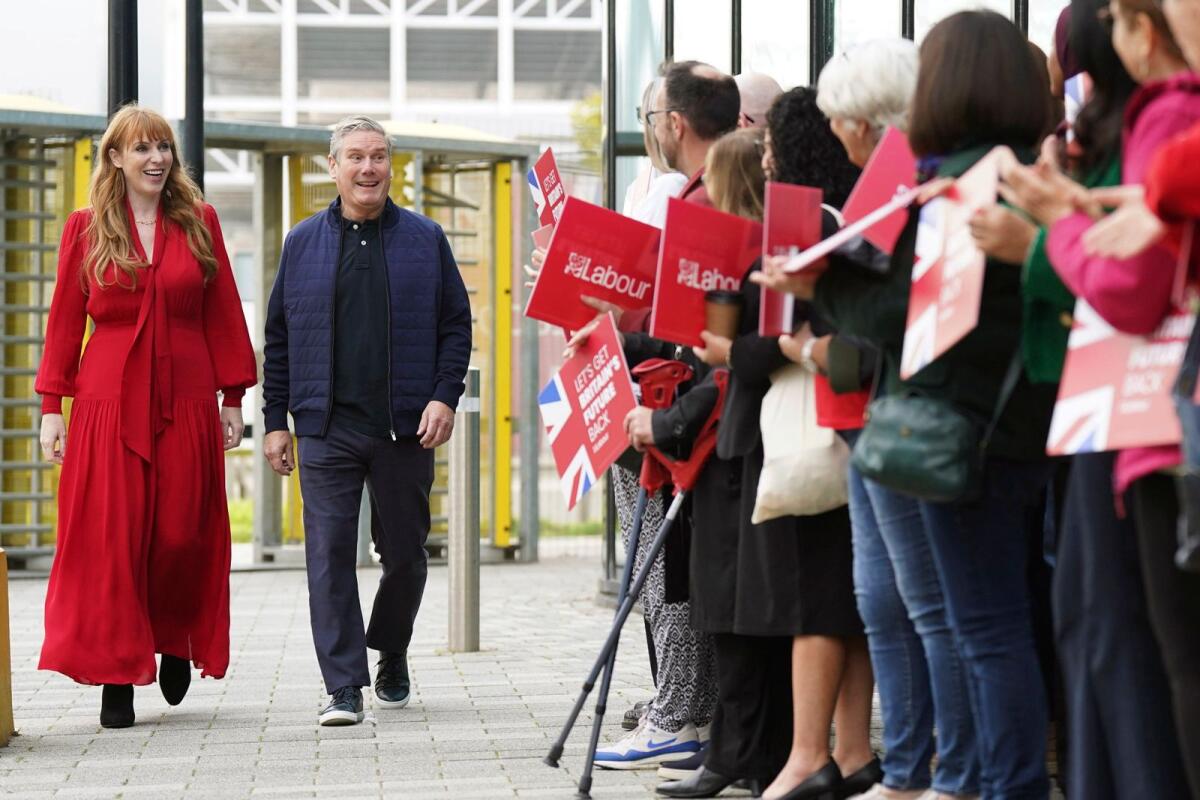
649,762
379,701
334,718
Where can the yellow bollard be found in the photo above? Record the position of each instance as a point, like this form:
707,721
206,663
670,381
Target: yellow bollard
6,711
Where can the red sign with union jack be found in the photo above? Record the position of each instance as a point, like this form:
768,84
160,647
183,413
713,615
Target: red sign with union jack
549,194
583,409
1116,387
947,275
891,171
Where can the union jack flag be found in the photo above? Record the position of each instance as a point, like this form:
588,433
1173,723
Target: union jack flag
539,197
559,417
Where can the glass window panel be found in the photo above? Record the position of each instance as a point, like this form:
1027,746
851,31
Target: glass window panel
930,12
452,64
639,52
242,61
862,20
1043,17
704,31
775,40
325,71
556,65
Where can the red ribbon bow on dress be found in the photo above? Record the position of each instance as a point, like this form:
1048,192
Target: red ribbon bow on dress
146,391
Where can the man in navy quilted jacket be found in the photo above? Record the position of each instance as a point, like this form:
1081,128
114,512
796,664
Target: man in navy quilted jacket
368,337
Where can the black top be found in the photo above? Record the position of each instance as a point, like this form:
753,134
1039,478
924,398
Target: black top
360,332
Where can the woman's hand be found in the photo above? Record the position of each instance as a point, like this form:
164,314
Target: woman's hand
603,309
53,438
1002,234
715,352
792,346
1124,233
1043,191
802,284
231,427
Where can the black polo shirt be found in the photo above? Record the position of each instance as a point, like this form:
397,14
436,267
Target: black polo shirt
360,332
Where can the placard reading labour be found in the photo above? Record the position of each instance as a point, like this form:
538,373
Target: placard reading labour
583,410
702,249
593,252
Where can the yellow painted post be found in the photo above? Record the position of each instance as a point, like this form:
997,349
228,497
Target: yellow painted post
502,269
6,708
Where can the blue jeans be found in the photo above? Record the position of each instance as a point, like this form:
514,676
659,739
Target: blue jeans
980,549
918,670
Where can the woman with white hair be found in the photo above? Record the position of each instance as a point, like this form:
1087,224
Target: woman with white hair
920,676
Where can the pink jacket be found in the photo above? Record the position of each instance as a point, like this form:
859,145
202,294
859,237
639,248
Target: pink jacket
1133,295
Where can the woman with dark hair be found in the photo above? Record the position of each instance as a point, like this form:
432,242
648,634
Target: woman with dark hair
1133,295
1114,680
960,113
793,575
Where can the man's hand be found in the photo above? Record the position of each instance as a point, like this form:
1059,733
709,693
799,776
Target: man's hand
437,423
1002,234
277,448
638,428
231,427
53,438
715,352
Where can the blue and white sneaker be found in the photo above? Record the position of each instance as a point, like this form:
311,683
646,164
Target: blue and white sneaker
648,746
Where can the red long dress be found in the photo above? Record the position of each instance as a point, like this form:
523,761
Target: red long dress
142,562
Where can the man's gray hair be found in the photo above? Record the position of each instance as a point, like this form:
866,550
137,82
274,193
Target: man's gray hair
351,124
873,82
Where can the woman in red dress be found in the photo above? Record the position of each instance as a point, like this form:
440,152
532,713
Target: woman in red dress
142,564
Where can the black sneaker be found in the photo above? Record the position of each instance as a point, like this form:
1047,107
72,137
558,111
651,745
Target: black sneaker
392,685
345,707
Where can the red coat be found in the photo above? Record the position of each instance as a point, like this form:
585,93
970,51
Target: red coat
142,561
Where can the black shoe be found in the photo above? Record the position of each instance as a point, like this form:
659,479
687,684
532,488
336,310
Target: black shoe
633,717
345,707
392,685
702,783
174,678
821,785
116,706
861,780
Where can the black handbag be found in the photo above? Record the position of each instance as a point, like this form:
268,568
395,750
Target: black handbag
926,447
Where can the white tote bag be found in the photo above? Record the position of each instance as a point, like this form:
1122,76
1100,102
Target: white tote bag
804,465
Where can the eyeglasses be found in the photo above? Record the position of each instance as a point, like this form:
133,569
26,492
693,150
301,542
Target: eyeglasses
647,117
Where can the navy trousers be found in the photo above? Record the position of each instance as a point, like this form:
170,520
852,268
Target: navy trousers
398,476
1119,731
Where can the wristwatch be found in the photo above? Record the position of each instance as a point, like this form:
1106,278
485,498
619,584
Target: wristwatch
806,359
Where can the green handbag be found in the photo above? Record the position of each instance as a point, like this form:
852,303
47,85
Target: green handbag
928,448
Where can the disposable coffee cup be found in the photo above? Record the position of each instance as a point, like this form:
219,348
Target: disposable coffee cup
722,310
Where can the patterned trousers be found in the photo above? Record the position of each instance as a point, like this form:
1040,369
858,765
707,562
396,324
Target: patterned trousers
687,688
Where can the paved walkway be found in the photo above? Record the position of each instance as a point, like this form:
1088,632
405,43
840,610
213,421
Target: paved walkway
478,726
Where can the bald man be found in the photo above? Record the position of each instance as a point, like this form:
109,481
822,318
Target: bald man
758,93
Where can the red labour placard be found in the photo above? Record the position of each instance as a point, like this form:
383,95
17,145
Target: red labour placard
947,275
583,410
593,252
891,171
702,249
791,224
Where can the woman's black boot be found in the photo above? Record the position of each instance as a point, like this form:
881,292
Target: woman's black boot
174,678
116,706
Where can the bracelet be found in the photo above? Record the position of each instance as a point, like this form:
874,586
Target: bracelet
806,359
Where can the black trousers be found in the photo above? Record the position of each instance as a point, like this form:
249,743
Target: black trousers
398,476
752,726
1173,597
1121,736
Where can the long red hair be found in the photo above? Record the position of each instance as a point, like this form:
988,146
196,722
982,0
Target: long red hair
108,234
